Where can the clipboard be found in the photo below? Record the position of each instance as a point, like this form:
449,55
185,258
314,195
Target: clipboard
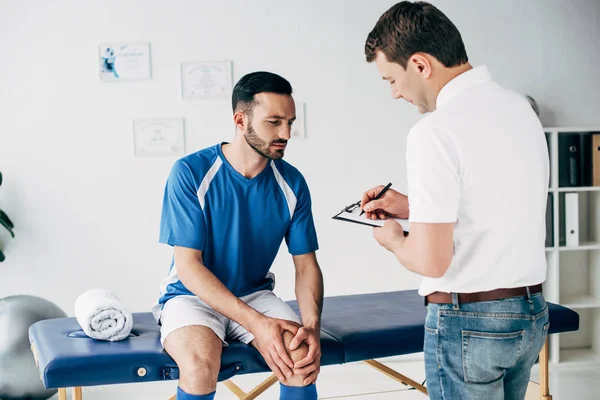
351,213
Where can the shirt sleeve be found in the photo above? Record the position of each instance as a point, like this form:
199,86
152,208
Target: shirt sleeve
433,169
301,236
182,220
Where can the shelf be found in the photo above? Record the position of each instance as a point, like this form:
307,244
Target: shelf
577,189
582,301
582,246
573,275
571,129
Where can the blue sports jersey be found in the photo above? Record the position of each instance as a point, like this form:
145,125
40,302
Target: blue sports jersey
238,223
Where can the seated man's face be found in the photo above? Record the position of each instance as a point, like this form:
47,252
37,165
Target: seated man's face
270,125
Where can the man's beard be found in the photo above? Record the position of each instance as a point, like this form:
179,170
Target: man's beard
262,147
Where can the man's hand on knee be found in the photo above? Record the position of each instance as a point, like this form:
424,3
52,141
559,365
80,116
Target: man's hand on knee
305,349
268,339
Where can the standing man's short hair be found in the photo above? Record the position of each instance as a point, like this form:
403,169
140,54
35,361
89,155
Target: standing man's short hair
408,28
254,83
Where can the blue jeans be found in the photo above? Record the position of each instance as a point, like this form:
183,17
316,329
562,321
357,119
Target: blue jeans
483,350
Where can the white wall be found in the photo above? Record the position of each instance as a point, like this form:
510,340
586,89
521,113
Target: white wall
87,212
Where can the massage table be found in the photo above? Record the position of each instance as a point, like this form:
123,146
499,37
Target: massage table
354,328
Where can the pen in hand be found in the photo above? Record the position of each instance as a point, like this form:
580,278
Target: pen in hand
379,195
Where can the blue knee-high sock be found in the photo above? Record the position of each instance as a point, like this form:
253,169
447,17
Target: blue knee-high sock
181,395
297,393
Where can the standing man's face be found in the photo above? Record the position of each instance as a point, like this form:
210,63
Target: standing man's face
406,84
270,125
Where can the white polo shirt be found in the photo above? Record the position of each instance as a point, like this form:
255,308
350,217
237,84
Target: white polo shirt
480,160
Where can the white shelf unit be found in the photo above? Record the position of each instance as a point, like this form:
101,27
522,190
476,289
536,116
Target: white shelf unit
574,271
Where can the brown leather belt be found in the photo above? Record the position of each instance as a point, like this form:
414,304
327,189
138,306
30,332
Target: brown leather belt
497,294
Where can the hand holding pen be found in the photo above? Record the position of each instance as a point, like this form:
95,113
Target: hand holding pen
380,202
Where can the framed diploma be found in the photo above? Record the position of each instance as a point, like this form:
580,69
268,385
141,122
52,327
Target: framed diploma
158,137
298,128
210,79
124,61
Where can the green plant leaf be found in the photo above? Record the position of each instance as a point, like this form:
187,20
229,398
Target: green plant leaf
7,221
2,258
3,223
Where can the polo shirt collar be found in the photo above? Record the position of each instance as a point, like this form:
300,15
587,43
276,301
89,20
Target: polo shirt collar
462,82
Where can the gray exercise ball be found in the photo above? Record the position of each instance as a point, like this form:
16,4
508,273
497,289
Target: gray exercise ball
19,376
533,105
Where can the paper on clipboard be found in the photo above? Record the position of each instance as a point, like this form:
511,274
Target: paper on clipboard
352,214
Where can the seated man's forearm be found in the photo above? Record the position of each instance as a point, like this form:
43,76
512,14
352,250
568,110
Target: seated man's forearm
204,284
309,292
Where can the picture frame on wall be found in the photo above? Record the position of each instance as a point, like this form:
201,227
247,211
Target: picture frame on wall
119,62
299,126
158,137
206,79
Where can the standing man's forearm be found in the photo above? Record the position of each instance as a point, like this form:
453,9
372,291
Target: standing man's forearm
428,250
407,255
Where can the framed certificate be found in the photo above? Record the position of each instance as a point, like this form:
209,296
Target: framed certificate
298,128
158,137
205,79
124,61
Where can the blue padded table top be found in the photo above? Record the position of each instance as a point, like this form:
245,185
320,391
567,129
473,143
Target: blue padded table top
354,328
67,357
377,325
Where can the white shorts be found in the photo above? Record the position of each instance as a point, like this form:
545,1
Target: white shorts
183,311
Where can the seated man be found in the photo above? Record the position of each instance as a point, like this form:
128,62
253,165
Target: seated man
226,211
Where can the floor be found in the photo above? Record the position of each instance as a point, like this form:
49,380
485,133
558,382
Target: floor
359,381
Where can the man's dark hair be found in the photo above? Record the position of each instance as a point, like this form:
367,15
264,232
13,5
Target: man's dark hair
408,28
255,83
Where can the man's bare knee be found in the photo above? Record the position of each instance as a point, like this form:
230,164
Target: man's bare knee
197,352
198,375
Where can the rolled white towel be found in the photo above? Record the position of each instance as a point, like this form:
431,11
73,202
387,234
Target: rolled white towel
102,315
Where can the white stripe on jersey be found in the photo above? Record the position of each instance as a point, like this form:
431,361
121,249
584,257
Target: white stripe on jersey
172,278
290,197
207,179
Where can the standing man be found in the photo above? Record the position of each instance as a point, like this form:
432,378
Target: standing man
226,211
477,168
